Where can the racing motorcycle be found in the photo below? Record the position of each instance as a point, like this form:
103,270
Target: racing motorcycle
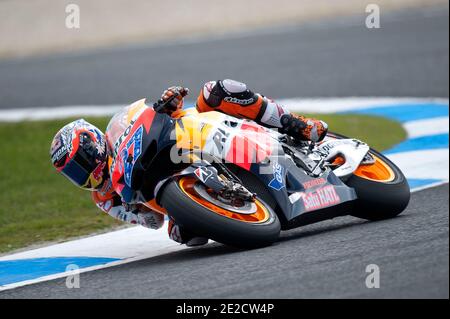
240,184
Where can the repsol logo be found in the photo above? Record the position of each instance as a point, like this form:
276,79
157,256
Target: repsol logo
123,136
330,145
238,101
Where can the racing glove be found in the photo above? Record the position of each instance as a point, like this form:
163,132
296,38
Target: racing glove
141,215
171,100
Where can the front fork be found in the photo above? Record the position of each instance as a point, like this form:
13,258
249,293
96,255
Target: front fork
208,175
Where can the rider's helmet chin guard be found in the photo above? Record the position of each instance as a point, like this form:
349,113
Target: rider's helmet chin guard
78,151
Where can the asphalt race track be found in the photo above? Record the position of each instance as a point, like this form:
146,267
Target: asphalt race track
322,260
408,56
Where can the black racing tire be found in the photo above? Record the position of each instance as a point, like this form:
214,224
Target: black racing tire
380,200
204,222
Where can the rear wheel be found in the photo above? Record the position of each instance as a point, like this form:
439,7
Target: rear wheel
246,224
382,189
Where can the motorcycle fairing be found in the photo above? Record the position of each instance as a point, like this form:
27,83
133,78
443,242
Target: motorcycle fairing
135,136
138,134
257,149
352,150
298,192
232,140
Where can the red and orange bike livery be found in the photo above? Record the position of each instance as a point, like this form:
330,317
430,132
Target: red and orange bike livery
239,183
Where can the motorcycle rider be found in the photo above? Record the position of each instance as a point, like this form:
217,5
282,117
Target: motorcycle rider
79,149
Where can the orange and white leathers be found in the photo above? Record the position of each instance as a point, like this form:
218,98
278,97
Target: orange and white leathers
111,203
235,99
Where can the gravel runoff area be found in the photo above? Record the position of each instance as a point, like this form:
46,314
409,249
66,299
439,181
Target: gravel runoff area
38,26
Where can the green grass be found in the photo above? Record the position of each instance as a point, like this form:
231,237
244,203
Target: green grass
39,205
380,133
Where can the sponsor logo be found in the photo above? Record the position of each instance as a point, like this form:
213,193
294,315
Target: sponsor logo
326,149
60,145
123,136
314,182
277,182
203,173
328,146
59,154
321,198
97,174
131,153
56,143
238,101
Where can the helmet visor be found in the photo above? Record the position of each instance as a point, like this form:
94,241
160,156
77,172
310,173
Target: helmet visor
79,169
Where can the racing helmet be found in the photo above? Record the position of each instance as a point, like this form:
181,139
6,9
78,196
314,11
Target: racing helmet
78,151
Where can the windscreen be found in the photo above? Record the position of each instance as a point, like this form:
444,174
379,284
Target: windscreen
120,122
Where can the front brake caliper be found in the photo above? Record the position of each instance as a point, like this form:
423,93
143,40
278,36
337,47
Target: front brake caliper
221,185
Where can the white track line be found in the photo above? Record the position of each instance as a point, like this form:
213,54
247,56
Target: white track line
88,269
421,188
129,244
333,105
318,105
115,244
52,113
425,164
427,127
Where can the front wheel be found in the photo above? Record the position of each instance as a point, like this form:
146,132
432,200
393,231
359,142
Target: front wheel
382,189
250,225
